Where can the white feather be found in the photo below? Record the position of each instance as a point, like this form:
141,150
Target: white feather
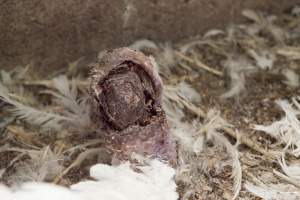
235,70
43,165
76,109
121,182
213,32
286,130
31,115
272,193
167,58
6,77
191,138
292,170
215,122
188,138
292,79
154,182
185,48
142,44
264,59
188,92
296,11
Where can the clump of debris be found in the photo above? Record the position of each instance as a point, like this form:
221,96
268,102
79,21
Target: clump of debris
232,102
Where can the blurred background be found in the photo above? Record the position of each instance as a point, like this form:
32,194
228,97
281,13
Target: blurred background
51,34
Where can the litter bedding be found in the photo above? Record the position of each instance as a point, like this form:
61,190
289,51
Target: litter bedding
231,98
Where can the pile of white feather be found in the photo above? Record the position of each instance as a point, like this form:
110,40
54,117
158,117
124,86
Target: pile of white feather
154,182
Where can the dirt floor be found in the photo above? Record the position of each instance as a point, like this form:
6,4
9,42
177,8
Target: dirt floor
218,86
